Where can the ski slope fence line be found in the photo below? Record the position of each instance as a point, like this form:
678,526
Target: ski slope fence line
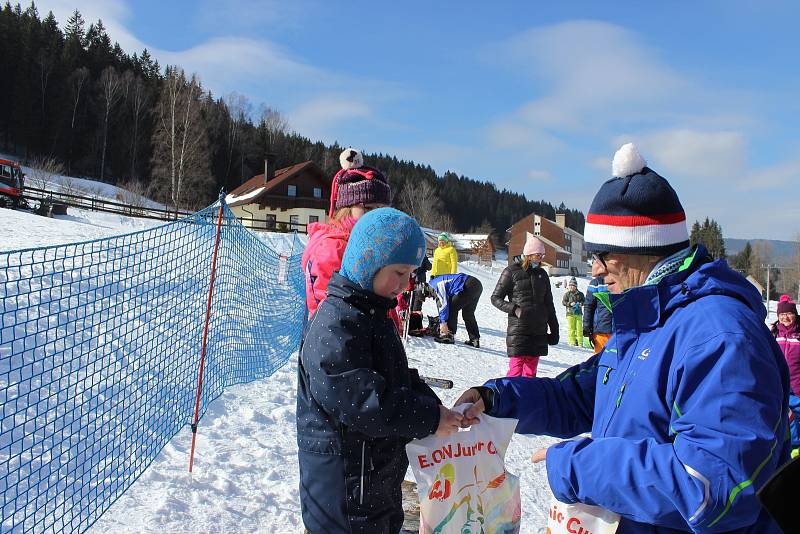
100,348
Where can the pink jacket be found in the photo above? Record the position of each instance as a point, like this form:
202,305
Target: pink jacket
322,257
789,341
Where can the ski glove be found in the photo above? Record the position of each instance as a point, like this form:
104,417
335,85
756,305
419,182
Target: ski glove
552,338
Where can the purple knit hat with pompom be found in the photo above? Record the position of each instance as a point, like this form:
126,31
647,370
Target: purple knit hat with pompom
357,183
785,305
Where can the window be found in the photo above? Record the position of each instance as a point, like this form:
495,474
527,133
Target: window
317,193
313,219
292,191
269,221
294,222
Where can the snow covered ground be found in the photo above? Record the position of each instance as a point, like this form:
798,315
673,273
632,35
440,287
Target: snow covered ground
80,186
245,472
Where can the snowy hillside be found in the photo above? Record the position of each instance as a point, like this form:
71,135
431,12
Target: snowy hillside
245,472
81,186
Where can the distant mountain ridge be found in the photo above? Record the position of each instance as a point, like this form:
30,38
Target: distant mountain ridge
780,252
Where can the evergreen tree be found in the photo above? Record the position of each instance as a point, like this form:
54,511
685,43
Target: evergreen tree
743,261
59,105
710,235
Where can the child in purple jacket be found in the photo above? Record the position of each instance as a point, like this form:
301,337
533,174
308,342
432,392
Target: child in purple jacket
787,333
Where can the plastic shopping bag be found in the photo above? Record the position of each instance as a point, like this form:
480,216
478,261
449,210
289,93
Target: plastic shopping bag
462,482
580,518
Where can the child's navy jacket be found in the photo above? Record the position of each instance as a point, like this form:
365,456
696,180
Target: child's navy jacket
358,404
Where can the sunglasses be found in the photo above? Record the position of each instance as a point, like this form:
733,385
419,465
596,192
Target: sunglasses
601,257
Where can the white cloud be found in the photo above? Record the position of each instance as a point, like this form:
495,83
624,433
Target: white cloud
709,155
774,177
595,74
225,63
512,134
539,175
321,117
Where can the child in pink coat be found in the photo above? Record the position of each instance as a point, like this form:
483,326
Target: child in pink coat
356,189
787,333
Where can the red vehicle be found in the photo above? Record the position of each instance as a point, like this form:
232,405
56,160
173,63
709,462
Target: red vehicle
12,183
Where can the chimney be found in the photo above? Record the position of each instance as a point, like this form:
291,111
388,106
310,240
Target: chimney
269,167
561,219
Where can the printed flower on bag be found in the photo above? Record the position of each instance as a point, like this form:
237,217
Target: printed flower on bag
442,485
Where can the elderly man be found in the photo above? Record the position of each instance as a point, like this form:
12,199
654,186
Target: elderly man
686,404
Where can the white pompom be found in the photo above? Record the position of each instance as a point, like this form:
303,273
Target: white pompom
627,161
350,158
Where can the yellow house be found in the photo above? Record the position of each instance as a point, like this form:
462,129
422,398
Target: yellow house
282,199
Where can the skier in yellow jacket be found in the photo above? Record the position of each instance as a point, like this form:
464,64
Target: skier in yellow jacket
445,257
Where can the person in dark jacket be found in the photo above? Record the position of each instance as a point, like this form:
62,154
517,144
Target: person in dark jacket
358,403
523,292
597,320
456,293
420,278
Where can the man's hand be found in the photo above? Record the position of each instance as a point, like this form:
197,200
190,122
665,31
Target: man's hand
518,312
449,422
477,408
539,456
443,329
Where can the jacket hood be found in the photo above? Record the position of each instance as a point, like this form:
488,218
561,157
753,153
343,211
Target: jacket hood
334,229
700,276
356,295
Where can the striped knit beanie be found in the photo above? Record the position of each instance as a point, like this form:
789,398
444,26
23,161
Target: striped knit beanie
636,212
357,183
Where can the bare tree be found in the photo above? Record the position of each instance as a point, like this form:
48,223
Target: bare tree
275,126
238,111
133,193
180,140
110,84
45,63
76,82
42,172
421,202
138,99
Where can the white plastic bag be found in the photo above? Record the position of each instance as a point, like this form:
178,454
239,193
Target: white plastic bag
462,482
580,519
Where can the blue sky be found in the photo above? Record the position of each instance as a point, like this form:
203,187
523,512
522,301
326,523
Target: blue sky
533,96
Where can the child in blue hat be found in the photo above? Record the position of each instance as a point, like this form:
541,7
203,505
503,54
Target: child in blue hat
358,403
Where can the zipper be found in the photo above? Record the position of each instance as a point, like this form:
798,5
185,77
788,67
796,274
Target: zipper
605,376
621,391
363,451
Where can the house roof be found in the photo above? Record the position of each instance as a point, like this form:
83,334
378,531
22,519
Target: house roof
459,241
252,189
